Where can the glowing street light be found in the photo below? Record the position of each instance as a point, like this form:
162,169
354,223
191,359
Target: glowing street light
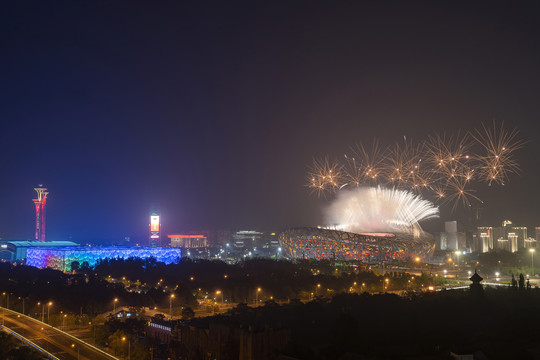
457,255
114,306
218,292
42,311
7,299
170,305
48,310
317,290
532,260
129,347
78,353
257,295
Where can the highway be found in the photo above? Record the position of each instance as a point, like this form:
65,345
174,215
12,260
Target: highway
58,343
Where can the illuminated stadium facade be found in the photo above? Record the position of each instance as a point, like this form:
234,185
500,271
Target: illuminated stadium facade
317,243
61,258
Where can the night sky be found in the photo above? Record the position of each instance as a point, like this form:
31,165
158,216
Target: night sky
211,112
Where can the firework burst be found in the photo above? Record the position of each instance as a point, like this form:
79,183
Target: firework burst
444,168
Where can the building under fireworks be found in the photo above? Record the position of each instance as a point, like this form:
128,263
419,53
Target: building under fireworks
320,243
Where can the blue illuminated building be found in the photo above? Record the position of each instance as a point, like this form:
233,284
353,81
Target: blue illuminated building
61,258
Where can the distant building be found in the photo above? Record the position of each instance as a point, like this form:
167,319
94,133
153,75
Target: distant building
155,232
272,241
215,238
15,250
188,241
483,239
509,244
247,239
451,239
62,258
521,232
530,243
513,239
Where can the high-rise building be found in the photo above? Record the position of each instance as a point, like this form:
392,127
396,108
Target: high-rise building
506,228
451,239
155,235
514,243
521,232
484,239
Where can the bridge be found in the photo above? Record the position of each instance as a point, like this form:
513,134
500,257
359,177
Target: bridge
52,342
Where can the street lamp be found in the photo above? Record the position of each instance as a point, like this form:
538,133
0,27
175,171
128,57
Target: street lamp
317,290
48,310
64,321
22,304
42,311
7,299
78,354
457,255
114,306
129,347
170,305
532,261
257,295
218,292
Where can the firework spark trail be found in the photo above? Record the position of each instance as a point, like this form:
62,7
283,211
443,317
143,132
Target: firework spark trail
442,167
499,145
370,209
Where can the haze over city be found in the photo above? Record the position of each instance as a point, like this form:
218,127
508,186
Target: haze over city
285,180
211,114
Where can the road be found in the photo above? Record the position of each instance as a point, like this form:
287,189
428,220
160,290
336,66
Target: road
58,343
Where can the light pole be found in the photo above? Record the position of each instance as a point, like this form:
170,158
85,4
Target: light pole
257,295
42,311
22,304
3,311
114,306
170,305
531,250
317,290
7,299
64,322
78,354
218,292
48,310
129,347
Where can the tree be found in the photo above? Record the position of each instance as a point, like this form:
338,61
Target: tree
187,313
118,342
74,265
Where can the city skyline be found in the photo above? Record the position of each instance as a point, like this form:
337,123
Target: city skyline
124,109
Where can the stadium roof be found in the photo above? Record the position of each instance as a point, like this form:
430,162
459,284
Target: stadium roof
36,243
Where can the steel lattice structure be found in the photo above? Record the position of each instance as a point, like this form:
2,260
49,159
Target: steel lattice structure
316,243
61,258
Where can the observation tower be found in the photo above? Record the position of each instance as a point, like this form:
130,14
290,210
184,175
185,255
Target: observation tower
41,206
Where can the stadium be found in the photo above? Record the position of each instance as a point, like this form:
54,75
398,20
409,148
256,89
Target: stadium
62,258
321,243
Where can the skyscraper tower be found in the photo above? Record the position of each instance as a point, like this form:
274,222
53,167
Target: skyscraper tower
41,206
